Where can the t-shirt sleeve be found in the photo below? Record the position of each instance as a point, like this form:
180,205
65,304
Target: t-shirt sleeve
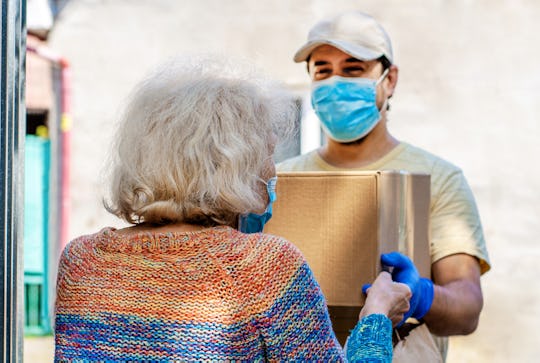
455,221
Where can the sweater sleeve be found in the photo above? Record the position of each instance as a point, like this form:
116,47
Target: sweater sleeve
371,340
297,325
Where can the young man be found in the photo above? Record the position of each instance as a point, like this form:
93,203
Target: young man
350,62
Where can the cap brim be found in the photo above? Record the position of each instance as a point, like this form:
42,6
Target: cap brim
354,50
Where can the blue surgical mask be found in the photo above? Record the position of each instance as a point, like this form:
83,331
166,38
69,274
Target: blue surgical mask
346,106
253,223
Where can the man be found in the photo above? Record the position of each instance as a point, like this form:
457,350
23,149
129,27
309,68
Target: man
350,62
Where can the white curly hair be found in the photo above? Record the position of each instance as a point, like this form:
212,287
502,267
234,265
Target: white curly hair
194,140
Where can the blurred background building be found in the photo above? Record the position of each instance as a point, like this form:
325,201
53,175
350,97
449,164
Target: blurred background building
468,90
45,163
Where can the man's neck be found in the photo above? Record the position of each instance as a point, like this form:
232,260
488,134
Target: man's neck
371,148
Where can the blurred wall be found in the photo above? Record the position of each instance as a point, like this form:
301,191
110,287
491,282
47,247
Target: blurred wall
468,90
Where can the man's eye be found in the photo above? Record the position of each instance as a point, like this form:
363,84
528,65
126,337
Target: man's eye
354,70
323,71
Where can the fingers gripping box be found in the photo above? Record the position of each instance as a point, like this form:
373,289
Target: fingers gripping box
343,221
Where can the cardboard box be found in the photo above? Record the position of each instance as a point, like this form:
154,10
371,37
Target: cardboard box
343,221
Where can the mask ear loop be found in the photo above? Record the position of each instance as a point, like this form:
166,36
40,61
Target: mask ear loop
385,105
271,188
383,76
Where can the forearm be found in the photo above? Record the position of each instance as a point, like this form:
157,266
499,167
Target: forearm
456,305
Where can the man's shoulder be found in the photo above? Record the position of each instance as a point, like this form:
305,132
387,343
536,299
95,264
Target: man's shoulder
303,162
414,158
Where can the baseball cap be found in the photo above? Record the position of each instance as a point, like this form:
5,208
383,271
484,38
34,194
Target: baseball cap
354,33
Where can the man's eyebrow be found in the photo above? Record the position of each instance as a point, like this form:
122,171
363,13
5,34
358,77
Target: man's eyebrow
354,60
320,63
348,60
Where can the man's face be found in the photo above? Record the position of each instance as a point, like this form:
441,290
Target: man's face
327,61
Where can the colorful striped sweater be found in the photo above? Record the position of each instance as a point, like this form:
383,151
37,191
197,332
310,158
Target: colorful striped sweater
211,295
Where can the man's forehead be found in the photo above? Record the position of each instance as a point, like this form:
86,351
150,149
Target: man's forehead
325,57
326,53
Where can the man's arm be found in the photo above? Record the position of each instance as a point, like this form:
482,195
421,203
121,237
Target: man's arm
457,296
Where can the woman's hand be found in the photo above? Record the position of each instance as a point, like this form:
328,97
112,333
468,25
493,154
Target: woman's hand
388,298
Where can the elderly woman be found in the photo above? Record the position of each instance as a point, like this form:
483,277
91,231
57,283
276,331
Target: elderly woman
192,171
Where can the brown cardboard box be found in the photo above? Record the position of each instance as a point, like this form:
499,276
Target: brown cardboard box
343,221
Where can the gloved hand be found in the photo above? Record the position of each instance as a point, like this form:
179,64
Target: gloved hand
404,271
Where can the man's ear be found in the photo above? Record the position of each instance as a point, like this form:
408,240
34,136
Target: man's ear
391,80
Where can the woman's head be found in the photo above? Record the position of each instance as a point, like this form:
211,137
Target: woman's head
195,140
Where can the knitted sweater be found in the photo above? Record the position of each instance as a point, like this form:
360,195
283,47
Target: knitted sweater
215,294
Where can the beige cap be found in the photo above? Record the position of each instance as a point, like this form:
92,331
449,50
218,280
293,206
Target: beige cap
354,33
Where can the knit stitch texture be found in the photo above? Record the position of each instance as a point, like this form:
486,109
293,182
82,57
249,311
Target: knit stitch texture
211,295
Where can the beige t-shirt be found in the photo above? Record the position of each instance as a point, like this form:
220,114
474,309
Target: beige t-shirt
454,219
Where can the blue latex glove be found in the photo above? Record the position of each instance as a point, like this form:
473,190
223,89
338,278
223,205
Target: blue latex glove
403,270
